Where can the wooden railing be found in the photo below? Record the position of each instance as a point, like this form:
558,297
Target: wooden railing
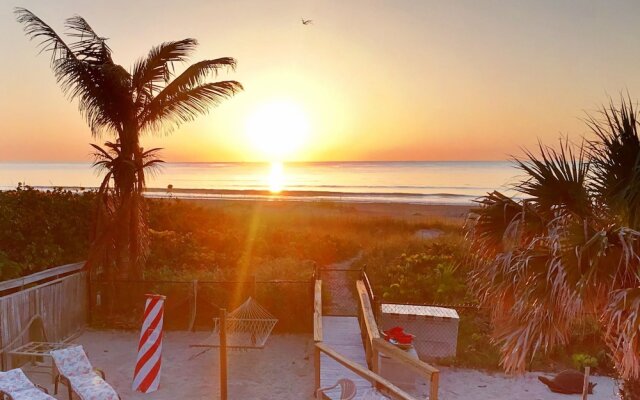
317,328
40,277
368,327
382,384
374,345
317,311
56,307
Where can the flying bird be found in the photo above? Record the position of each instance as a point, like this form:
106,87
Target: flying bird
306,21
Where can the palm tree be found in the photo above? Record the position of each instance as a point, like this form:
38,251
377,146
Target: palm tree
568,249
125,105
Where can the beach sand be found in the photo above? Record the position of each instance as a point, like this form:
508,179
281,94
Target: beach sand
412,212
283,370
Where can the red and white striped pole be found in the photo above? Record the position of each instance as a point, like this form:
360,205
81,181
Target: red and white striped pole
146,377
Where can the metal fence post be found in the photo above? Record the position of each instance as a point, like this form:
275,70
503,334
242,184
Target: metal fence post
194,305
89,315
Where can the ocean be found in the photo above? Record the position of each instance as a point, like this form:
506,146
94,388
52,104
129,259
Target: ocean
419,182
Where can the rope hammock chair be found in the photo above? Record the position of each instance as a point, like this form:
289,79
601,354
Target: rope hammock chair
248,327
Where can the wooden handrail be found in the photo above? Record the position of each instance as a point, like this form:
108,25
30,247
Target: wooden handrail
383,384
367,284
367,312
374,345
390,350
317,311
40,276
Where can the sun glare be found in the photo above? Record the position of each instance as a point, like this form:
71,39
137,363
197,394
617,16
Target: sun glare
276,177
278,129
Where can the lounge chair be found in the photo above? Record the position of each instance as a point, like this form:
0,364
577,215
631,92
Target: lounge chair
347,389
76,372
14,385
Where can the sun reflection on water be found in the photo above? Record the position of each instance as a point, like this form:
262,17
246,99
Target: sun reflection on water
276,177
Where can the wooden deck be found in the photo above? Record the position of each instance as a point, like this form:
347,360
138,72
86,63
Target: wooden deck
343,335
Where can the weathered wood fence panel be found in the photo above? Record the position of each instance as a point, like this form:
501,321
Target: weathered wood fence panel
60,305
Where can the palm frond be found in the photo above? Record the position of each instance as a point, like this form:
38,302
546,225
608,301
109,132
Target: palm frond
89,47
151,72
616,160
195,75
622,318
556,180
49,40
101,97
186,105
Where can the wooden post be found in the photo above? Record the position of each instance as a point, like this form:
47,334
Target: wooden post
375,364
193,305
433,387
585,385
89,315
223,354
316,359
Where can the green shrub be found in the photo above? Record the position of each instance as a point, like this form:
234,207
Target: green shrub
582,360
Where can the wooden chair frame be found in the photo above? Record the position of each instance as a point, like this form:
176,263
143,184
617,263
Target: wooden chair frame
7,396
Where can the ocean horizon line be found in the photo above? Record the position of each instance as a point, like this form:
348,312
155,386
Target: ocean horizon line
443,182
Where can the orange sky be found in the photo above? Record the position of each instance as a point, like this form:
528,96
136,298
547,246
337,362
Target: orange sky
377,80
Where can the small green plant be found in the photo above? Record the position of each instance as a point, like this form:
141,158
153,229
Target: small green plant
582,360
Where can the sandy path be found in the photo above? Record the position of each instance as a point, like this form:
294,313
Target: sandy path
339,287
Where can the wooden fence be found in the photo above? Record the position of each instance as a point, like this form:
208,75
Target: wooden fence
50,306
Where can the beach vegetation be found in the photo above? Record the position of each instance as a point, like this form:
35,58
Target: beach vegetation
41,229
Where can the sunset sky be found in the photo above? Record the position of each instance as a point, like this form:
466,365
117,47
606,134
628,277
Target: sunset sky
369,80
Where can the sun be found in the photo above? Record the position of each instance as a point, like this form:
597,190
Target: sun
277,129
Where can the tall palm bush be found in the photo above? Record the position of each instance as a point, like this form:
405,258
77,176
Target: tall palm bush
567,248
126,104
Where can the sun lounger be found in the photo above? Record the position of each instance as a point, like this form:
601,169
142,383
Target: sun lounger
76,372
347,389
14,385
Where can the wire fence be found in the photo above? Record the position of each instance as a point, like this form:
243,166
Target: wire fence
193,305
339,297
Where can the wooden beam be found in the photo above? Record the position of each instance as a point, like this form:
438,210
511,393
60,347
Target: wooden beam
223,354
434,384
317,364
367,311
392,351
40,276
317,312
386,385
